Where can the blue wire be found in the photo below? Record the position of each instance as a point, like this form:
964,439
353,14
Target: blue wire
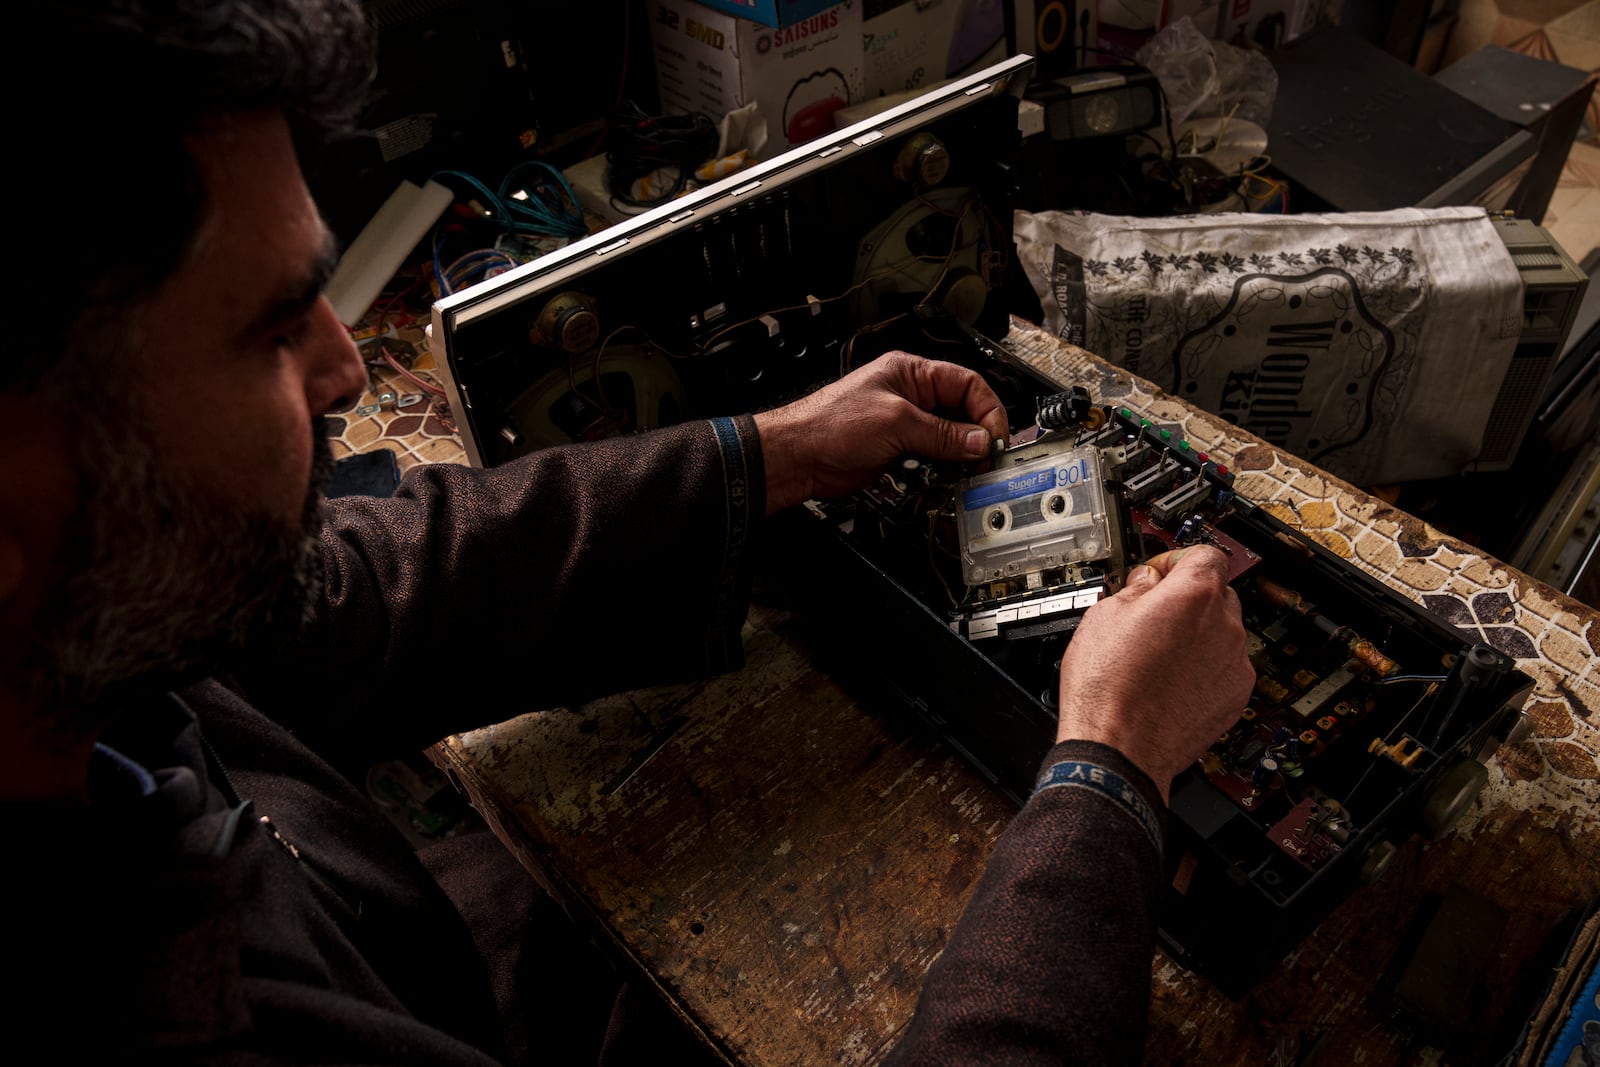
476,265
558,219
546,212
551,210
470,265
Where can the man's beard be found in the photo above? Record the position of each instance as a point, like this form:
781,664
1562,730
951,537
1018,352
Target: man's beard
164,581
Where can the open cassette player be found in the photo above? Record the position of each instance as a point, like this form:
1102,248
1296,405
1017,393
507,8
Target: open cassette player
962,583
1370,721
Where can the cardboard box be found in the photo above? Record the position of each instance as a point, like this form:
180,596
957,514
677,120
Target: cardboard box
1125,25
797,76
774,13
1268,23
913,44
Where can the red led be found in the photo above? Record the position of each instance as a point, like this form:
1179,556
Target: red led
1221,469
1203,457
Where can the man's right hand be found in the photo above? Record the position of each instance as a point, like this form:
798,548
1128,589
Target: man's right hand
1161,669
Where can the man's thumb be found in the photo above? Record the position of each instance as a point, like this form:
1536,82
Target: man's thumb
1141,579
935,437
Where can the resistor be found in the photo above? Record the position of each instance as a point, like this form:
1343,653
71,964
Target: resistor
1281,596
1360,648
1368,653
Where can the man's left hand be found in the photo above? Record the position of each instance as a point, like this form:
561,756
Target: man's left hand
835,440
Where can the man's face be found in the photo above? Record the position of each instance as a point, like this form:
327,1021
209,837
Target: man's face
197,520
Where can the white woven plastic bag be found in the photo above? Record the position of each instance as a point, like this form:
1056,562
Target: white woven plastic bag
1371,343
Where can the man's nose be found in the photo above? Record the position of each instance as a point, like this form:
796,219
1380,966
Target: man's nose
338,376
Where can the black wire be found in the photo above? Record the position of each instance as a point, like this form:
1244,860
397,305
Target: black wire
1161,150
1166,117
638,144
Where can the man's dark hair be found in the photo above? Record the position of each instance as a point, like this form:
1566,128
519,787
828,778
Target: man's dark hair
103,94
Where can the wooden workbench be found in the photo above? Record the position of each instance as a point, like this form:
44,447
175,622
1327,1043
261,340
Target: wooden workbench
784,854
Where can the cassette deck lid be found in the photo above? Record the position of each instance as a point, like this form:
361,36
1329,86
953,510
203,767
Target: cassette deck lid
761,251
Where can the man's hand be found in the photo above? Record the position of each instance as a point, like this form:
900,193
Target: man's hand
1161,669
835,440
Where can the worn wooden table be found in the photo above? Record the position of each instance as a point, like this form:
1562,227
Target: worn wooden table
785,858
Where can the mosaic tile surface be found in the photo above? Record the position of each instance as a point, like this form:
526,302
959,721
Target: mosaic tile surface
386,416
1555,774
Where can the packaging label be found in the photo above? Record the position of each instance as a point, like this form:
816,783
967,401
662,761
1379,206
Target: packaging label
798,75
770,12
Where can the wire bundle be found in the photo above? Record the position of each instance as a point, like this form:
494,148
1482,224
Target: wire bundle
546,206
472,267
639,144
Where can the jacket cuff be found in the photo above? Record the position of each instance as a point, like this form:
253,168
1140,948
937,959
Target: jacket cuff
745,491
1101,769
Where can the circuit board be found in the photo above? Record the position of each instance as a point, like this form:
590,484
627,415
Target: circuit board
1367,718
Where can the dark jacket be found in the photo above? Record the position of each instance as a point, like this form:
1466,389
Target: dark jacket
231,896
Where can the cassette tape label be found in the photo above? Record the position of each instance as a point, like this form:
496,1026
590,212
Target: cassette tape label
1073,473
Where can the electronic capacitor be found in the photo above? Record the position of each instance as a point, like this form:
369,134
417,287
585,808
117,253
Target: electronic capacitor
1265,774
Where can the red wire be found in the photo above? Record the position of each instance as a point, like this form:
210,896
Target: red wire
395,363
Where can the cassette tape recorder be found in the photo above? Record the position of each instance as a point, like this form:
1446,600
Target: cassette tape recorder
1370,717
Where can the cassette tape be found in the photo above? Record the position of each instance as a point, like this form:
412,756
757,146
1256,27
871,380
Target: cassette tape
1039,514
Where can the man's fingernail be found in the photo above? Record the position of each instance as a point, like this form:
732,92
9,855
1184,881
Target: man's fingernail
1139,573
978,442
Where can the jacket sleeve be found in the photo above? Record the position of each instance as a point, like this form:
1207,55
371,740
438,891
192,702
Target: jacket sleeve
1050,963
472,595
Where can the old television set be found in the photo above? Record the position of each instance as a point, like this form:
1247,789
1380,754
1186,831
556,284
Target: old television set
965,582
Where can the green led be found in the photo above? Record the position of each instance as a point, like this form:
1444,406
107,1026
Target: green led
1166,435
1126,413
1183,446
1144,424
